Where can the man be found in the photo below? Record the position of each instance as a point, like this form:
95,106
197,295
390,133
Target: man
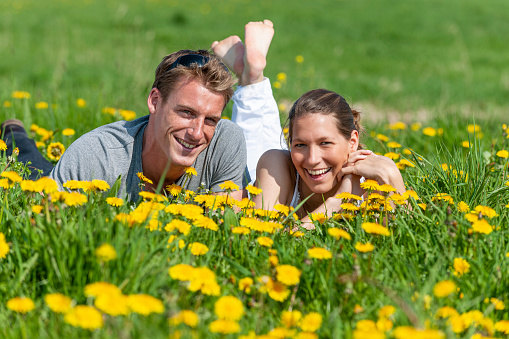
184,127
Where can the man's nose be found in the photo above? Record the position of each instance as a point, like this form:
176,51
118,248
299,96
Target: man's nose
196,130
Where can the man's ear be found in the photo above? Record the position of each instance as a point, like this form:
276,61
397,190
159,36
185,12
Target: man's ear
154,100
354,141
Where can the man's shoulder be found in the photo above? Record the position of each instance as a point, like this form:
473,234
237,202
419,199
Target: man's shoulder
116,134
228,130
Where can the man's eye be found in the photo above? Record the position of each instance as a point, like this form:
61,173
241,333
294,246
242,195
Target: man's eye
211,121
299,145
325,143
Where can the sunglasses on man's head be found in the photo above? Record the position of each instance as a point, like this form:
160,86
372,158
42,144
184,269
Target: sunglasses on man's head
188,60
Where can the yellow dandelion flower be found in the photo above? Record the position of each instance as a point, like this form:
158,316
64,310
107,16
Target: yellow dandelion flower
461,266
68,132
55,151
429,131
190,171
4,246
144,304
198,248
444,288
115,202
446,312
20,304
229,186
253,190
290,318
370,185
386,311
112,304
339,233
274,260
364,248
393,144
241,230
180,225
105,253
319,253
45,184
229,308
374,228
3,145
277,84
7,104
187,317
41,105
392,155
311,322
486,211
75,199
299,59
320,217
265,241
382,137
205,222
174,189
348,206
397,126
473,128
482,226
499,304
288,275
387,188
502,326
81,102
20,95
144,178
245,284
182,272
109,110
85,317
465,144
358,309
12,176
127,114
224,327
100,185
58,302
100,287
277,291
463,206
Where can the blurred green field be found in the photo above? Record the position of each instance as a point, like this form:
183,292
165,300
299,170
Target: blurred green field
413,60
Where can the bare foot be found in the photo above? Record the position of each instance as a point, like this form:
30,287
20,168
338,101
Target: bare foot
258,36
231,51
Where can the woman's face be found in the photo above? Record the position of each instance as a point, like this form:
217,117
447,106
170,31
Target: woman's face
319,151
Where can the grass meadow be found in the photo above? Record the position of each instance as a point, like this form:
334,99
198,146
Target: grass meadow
432,80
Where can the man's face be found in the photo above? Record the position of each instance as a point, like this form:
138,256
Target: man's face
185,122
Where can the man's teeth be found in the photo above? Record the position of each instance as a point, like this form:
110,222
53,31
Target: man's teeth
318,172
187,145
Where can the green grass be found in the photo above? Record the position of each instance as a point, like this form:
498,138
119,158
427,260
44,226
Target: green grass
394,59
399,56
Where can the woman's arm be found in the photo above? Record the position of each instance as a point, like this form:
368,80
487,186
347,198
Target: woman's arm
275,176
376,167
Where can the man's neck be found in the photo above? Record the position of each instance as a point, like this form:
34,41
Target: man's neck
155,163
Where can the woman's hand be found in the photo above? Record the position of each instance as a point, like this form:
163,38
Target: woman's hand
371,166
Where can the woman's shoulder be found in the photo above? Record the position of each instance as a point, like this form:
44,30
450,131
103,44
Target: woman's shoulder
275,173
276,159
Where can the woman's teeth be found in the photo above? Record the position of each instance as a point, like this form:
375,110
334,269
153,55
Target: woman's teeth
318,172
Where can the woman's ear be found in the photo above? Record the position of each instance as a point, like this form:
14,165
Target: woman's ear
154,99
354,141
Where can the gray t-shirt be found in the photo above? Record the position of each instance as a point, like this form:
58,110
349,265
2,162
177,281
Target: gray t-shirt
115,149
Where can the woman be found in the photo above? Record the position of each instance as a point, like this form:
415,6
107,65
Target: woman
323,160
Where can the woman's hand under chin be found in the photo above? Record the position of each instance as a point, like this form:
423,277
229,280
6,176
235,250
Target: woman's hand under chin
371,166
